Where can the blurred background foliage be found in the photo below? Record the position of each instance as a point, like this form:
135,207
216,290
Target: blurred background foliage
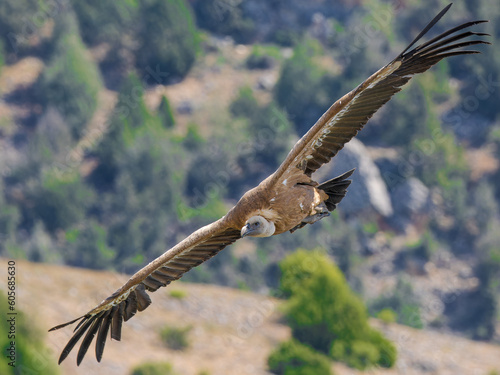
161,166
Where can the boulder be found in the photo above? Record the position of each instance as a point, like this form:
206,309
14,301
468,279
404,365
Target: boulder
368,191
410,197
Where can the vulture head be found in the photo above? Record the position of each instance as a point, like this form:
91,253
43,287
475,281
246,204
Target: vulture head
257,226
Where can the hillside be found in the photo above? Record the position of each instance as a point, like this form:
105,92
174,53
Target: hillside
233,331
125,126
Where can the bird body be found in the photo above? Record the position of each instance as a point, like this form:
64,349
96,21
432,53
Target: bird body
285,201
285,204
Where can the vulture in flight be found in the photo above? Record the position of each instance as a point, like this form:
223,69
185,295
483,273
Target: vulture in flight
286,200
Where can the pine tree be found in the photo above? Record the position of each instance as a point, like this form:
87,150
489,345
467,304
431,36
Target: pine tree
70,82
165,113
167,38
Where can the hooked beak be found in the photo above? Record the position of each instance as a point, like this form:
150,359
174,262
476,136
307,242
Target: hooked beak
246,231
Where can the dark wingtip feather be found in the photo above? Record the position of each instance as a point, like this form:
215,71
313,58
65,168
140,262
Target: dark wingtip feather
87,340
65,324
72,342
103,333
116,323
427,28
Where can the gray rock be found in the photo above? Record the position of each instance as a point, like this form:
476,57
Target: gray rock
368,191
411,197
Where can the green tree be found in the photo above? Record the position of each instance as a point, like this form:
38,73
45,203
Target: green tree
266,126
141,203
129,119
165,113
402,119
168,40
70,82
86,246
245,105
9,220
294,358
17,23
300,89
60,201
224,18
2,55
52,141
105,21
324,313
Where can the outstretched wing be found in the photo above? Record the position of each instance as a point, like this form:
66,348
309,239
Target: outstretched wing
132,296
342,121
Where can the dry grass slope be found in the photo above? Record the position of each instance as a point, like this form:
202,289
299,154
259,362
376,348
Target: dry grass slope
233,331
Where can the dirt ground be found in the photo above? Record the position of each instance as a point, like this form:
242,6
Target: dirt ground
232,331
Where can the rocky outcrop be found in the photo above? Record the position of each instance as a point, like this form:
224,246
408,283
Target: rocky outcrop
368,191
410,197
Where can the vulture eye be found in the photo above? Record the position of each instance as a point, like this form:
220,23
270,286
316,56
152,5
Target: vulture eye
257,224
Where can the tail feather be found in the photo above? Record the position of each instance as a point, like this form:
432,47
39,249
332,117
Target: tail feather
336,188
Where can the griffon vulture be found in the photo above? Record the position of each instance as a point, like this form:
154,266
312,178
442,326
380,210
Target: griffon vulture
286,200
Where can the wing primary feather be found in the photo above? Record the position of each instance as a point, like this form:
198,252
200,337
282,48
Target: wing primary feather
87,340
116,322
437,51
66,324
427,28
103,333
130,306
74,339
442,42
143,299
443,35
81,322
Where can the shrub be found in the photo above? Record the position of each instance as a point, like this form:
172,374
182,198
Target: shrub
70,82
387,315
168,40
153,368
245,105
259,59
104,21
303,99
224,19
60,202
129,118
87,246
402,302
178,294
294,358
9,220
324,313
175,338
16,25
